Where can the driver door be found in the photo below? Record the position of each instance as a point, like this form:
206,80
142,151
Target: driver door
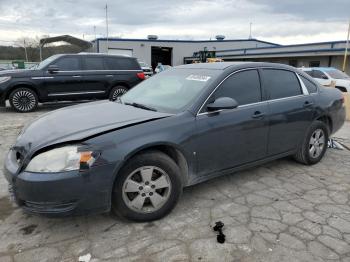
237,136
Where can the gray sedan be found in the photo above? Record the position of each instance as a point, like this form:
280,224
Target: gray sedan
181,127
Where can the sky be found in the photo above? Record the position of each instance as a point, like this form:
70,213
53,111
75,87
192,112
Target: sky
279,21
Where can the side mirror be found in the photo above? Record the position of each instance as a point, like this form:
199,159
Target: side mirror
53,69
222,103
324,77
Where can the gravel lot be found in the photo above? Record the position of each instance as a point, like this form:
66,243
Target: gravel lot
282,211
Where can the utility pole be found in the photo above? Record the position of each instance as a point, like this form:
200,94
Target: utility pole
250,30
95,31
25,49
346,49
107,26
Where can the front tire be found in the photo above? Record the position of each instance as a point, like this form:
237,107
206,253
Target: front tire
23,100
314,145
147,187
117,92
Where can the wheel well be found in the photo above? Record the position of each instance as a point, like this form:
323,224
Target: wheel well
174,154
341,88
21,86
328,121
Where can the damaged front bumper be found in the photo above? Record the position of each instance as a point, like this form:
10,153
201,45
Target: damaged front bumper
61,193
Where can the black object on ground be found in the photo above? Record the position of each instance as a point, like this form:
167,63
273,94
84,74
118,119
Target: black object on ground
221,236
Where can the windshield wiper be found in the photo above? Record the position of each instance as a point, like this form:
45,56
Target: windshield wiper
141,106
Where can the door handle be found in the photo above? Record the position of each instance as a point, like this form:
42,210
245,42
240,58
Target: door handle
109,75
258,114
76,76
308,104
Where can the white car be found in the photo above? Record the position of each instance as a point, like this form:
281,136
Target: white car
329,76
147,70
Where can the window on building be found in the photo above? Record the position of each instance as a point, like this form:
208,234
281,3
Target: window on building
281,83
314,64
293,63
243,86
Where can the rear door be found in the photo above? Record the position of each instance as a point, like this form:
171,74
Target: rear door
290,109
233,137
95,76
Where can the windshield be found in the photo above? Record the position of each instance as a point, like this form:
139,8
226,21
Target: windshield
337,74
47,61
171,91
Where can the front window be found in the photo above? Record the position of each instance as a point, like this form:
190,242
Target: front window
338,74
47,61
171,91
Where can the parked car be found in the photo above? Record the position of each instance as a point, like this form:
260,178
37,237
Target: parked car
148,71
70,77
329,76
181,127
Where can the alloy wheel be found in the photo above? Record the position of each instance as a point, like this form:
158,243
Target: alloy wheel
316,143
117,93
146,189
23,100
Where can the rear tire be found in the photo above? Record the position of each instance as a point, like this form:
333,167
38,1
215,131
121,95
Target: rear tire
23,100
147,187
314,144
116,92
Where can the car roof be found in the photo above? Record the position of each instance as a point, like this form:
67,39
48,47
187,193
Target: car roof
233,65
99,54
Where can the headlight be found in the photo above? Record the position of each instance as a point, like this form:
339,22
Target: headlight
61,159
4,79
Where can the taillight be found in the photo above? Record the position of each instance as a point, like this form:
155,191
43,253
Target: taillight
141,75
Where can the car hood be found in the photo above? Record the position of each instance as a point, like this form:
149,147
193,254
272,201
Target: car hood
20,73
79,122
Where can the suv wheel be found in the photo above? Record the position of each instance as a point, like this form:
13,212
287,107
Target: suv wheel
314,145
23,100
116,92
147,188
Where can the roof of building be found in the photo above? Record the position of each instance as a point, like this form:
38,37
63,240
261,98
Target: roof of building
335,47
183,41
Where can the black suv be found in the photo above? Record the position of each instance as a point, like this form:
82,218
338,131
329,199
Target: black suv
69,77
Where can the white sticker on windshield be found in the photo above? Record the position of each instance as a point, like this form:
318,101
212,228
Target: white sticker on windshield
198,78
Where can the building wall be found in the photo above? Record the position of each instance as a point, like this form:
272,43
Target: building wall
337,61
142,48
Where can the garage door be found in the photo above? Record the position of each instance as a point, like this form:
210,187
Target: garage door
116,51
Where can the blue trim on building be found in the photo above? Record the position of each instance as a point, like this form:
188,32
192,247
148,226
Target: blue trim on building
283,46
183,41
287,52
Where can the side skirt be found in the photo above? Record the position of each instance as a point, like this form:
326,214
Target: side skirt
197,180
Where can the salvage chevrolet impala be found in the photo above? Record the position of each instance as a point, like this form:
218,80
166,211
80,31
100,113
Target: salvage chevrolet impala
181,127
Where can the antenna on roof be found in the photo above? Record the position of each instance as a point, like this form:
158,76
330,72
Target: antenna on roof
250,30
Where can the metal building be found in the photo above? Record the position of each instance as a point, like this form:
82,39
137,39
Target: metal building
177,52
170,52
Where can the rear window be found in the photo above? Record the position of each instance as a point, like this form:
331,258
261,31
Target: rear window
281,83
310,86
94,63
116,63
